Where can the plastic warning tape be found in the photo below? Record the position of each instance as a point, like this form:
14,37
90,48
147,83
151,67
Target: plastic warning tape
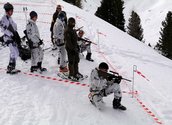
63,80
56,79
102,34
139,73
78,17
148,111
50,14
26,4
36,21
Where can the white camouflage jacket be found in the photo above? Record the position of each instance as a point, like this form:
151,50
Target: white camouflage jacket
33,32
4,24
58,32
97,83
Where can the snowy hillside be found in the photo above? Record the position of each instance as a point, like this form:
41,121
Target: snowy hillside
151,12
45,99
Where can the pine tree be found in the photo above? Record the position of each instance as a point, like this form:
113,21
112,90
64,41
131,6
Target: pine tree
134,26
75,2
165,41
112,12
78,3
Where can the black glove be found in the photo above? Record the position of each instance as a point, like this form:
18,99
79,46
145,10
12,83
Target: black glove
8,42
110,77
40,42
11,29
118,79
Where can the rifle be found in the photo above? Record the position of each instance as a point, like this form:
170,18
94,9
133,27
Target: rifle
86,40
112,76
79,28
118,75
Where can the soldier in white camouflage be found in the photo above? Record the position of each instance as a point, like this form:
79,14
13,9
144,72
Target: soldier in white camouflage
103,84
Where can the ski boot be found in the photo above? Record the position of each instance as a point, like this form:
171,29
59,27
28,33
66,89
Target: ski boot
79,75
63,69
88,57
11,69
40,67
117,104
34,69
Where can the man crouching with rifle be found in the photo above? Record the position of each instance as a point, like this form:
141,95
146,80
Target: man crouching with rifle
103,84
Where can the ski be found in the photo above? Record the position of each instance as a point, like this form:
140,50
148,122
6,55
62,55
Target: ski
64,75
14,72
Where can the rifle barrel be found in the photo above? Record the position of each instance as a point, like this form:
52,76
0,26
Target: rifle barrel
126,79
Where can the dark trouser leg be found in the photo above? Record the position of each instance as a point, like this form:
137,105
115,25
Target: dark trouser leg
76,63
71,69
52,38
71,63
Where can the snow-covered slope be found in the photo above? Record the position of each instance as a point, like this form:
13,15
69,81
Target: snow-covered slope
29,99
151,12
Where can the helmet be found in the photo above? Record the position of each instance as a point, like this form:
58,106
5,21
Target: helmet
71,22
8,7
33,14
103,65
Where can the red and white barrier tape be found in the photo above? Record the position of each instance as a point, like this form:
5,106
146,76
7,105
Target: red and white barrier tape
78,17
102,34
139,73
26,4
63,80
149,112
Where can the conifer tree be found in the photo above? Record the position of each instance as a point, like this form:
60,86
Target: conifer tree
134,26
75,2
165,41
112,12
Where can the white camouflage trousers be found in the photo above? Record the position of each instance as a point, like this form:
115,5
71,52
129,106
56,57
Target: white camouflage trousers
97,97
85,48
62,55
14,53
36,56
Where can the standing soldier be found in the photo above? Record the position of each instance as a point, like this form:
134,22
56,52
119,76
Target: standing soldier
58,37
34,43
55,15
72,50
11,37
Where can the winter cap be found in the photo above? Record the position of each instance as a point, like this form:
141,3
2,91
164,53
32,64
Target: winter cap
58,7
103,65
33,14
8,7
71,21
62,15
